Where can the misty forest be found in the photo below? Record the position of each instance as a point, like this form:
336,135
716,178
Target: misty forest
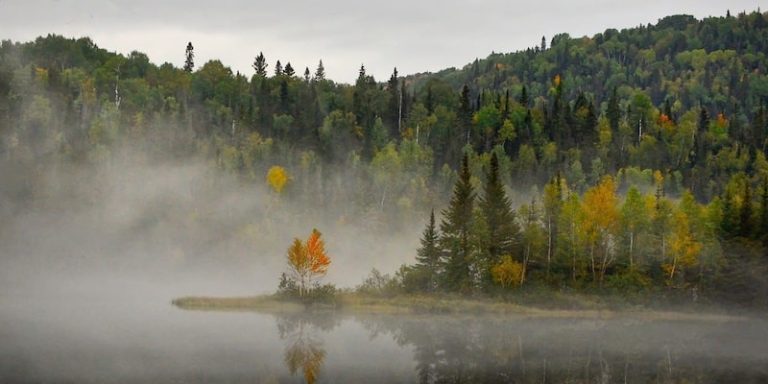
589,209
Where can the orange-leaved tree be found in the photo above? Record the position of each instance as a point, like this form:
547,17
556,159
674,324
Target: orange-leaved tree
308,261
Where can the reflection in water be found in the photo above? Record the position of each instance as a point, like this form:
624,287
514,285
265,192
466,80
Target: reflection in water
498,350
303,347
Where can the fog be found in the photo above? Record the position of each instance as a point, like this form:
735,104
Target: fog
92,255
179,225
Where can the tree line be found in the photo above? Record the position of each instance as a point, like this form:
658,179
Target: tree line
614,235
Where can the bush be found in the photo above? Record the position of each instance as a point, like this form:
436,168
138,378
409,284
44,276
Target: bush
317,294
379,284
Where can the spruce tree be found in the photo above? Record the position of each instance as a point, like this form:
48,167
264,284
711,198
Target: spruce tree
393,107
320,71
428,256
523,100
189,62
455,228
260,65
278,69
465,113
288,71
503,231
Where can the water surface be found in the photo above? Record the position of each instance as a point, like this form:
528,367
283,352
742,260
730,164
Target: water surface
84,335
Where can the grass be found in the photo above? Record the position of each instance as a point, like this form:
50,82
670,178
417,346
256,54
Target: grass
357,303
251,303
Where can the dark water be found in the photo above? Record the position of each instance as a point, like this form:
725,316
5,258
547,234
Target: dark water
85,336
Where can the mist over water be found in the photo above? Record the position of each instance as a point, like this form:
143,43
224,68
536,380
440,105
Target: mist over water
91,257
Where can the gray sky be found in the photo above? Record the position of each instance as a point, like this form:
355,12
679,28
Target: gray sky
415,36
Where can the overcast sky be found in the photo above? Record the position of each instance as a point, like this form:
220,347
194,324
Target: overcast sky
414,36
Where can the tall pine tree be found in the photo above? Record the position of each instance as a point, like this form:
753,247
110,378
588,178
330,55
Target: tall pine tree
503,231
428,256
189,61
455,227
260,65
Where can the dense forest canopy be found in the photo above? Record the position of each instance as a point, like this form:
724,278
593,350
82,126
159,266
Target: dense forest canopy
650,140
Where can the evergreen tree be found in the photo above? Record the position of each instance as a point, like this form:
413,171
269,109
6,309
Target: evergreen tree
429,100
320,71
524,100
278,69
394,105
260,65
700,137
455,228
503,231
306,75
189,62
288,71
428,256
465,114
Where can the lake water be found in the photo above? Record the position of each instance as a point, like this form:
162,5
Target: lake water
86,336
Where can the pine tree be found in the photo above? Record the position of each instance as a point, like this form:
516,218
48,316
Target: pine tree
394,105
503,231
320,71
189,62
428,256
700,137
288,71
524,100
306,75
278,69
260,65
465,114
455,228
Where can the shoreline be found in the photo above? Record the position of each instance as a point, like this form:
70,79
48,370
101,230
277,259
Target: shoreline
357,304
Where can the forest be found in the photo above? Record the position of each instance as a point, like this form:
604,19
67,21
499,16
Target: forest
631,160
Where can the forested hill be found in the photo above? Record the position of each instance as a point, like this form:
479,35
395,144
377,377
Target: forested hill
685,97
632,156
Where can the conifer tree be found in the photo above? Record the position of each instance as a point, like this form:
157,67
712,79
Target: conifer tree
278,69
260,65
288,71
524,99
320,71
428,256
497,210
503,231
394,106
189,62
465,114
455,228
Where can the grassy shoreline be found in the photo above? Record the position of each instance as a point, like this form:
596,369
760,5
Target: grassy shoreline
355,303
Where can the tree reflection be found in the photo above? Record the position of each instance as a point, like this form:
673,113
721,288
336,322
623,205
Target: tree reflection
303,346
485,350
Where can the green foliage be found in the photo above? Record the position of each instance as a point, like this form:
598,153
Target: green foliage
456,232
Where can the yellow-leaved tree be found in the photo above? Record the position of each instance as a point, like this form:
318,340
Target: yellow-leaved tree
277,178
685,248
601,224
308,261
508,273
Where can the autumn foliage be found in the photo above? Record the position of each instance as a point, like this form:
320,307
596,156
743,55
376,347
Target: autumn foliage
308,261
277,178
